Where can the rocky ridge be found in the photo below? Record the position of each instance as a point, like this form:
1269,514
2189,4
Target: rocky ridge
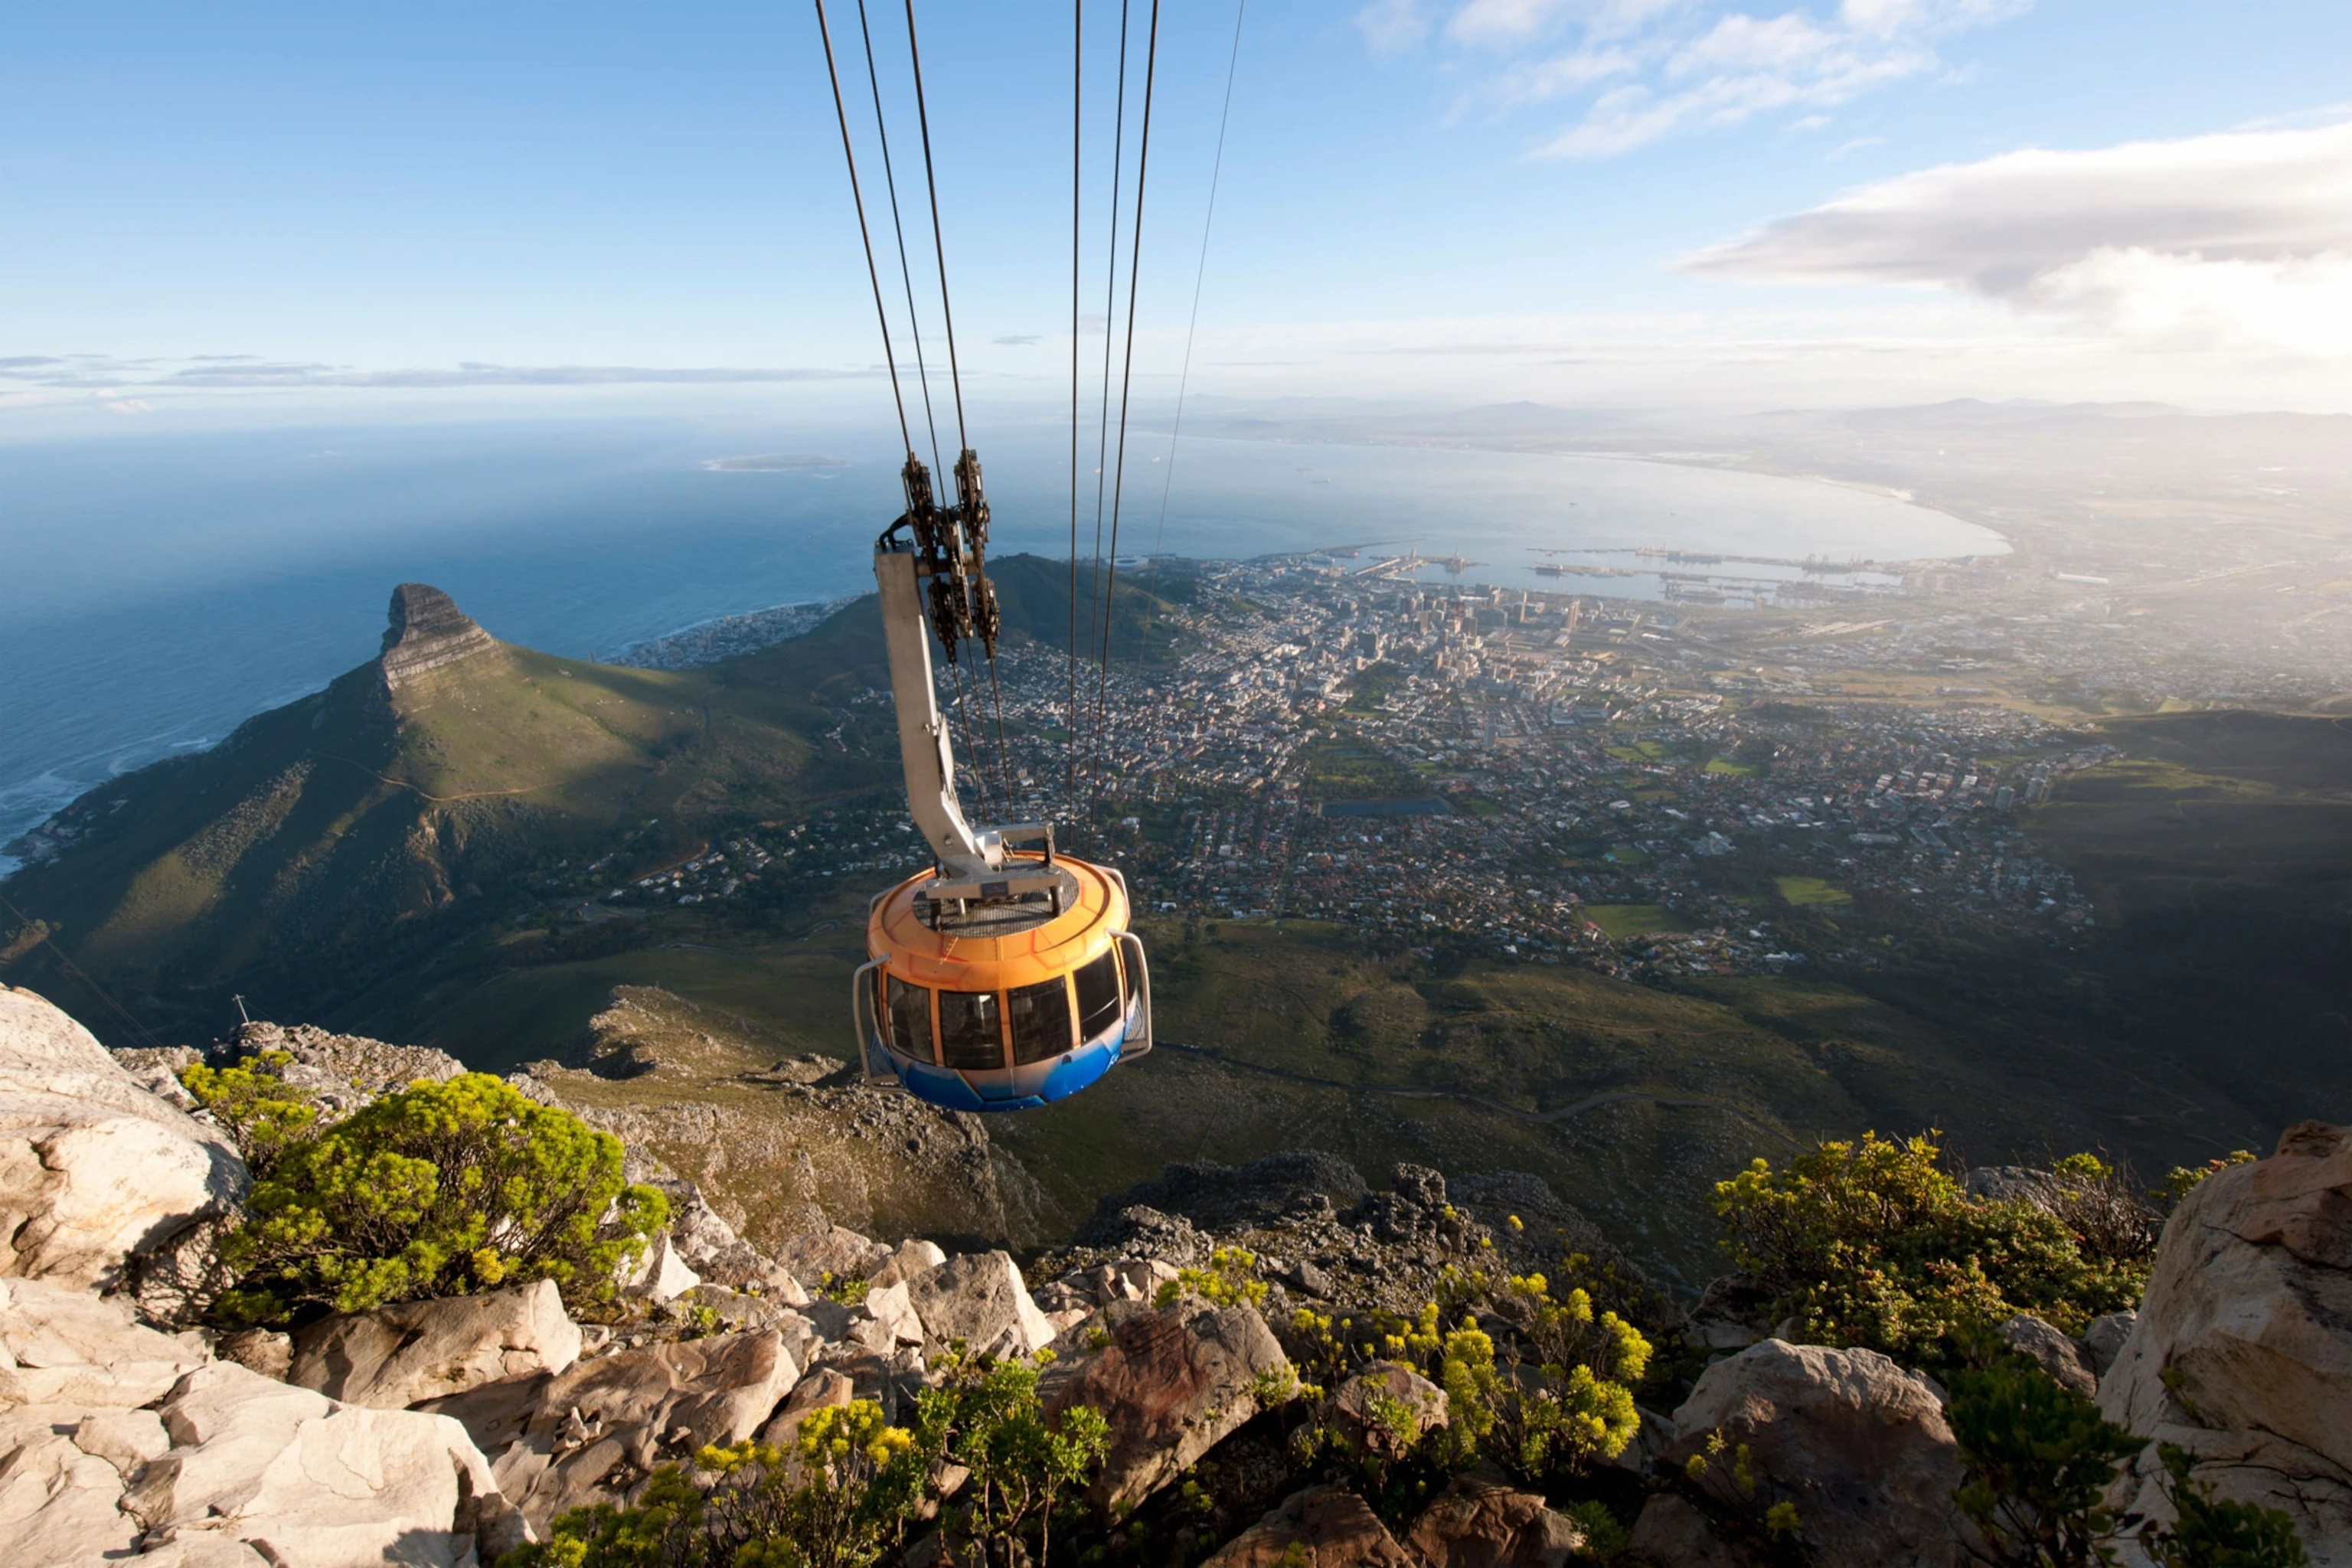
452,1431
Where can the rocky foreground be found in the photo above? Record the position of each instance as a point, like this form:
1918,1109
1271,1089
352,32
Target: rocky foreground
455,1431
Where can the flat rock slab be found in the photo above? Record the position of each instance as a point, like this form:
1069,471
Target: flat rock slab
69,1347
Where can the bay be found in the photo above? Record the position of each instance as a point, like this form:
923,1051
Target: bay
157,590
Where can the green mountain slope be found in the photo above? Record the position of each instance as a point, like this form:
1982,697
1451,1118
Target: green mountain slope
340,845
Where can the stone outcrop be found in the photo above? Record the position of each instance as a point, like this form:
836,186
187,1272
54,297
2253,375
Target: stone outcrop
1856,1443
70,1348
406,1354
427,631
96,1174
2053,1352
600,1430
2241,1353
1480,1521
1171,1385
311,1481
345,1071
1322,1527
980,1300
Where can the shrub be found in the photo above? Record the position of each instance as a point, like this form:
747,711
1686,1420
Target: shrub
262,1113
1230,1278
841,1497
2183,1180
1025,1469
2209,1533
439,1190
1874,1243
2038,1459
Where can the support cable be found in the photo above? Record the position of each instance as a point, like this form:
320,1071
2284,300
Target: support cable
872,273
1077,142
938,244
79,972
1102,434
906,273
1200,274
1127,383
955,373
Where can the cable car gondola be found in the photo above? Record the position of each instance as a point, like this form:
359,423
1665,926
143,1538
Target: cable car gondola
1005,977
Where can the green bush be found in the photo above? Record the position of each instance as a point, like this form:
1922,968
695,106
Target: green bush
262,1113
439,1190
2209,1533
1874,1243
851,1487
2038,1459
841,1497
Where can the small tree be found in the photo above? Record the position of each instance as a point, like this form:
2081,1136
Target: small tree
439,1190
1024,1466
2039,1460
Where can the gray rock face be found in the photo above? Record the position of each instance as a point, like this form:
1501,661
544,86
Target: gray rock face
2056,1354
345,1071
1858,1444
427,631
1322,1527
1172,1385
308,1480
2103,1340
1480,1522
600,1430
95,1173
2241,1353
406,1354
837,1252
979,1298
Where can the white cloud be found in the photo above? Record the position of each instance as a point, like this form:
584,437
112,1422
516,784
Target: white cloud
1392,26
2242,238
1655,68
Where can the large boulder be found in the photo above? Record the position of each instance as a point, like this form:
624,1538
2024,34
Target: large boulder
67,1347
600,1430
836,1254
406,1354
1322,1527
95,1171
1479,1521
1856,1443
308,1481
1172,1385
979,1298
2241,1353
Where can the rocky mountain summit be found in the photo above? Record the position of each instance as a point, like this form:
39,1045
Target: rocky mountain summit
1274,1364
427,631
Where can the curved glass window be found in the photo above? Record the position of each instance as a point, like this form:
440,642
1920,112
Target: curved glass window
1098,998
972,1031
909,1010
1041,1021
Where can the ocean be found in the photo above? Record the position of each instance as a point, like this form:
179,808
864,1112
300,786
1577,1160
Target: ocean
157,590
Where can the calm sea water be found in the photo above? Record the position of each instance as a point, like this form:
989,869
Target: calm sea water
155,592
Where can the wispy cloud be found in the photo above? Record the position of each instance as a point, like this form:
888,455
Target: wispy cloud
105,377
1643,70
2239,239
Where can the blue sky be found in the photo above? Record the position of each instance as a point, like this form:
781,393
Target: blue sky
1676,203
